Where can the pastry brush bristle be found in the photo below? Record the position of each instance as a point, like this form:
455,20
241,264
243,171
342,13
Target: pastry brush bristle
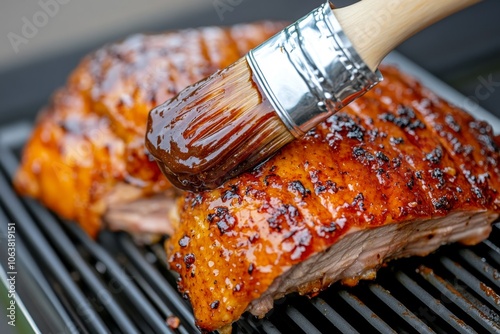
215,129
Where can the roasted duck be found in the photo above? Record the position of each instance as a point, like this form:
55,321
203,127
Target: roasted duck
86,158
397,173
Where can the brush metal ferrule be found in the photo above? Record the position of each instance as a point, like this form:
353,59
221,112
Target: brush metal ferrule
310,70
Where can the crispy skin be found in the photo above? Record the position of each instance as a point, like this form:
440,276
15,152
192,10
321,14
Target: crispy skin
395,160
86,154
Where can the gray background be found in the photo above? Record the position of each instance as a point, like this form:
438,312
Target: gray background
463,50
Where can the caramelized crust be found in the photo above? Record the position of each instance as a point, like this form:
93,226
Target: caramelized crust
87,150
398,155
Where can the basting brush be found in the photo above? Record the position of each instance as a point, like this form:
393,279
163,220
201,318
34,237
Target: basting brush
241,115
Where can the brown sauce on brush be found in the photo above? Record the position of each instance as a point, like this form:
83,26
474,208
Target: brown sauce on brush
214,130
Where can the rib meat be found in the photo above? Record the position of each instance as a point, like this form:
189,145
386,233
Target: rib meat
86,158
397,173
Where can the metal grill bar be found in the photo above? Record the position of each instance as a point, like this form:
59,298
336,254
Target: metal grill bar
400,309
456,297
479,287
68,251
494,252
366,312
301,321
245,326
156,280
148,290
434,304
63,318
269,328
132,292
37,241
484,268
333,316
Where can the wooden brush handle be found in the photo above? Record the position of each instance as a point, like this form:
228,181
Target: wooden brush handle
376,27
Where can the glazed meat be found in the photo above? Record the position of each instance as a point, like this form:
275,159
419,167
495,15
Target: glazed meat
397,173
86,158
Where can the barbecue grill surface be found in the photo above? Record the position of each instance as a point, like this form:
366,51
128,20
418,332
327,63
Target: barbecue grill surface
70,283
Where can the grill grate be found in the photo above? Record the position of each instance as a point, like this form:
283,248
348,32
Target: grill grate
114,285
